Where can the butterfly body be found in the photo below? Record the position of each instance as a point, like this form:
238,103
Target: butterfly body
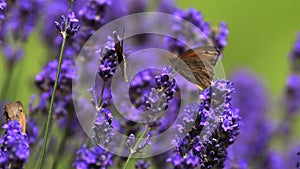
197,65
15,111
119,46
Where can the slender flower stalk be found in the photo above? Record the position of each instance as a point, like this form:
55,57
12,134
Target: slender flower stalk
134,150
64,34
157,102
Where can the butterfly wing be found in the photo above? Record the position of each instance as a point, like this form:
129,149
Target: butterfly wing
15,111
119,46
201,62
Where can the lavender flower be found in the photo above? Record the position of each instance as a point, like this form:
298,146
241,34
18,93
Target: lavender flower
122,8
166,6
298,163
292,99
196,18
160,96
93,12
252,101
140,86
2,7
191,35
23,19
32,130
189,161
230,164
131,143
141,164
102,128
94,157
108,61
184,33
45,80
220,37
190,151
295,55
71,28
19,23
14,146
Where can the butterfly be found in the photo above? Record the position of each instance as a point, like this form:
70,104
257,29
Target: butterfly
119,46
197,65
15,111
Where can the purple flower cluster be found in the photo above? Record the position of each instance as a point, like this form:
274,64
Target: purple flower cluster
14,150
188,36
140,86
295,55
92,14
2,7
292,99
108,61
160,96
219,37
94,157
190,151
141,164
45,81
252,100
17,26
63,110
102,127
32,130
67,27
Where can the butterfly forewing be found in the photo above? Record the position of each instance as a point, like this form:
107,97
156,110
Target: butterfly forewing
201,62
15,111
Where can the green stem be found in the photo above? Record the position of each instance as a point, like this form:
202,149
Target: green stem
133,151
49,119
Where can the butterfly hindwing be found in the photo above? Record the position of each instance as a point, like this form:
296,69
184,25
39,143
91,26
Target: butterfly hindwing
201,62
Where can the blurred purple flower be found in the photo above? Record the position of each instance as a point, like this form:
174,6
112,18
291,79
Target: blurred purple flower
141,164
295,55
122,8
14,146
32,130
91,15
166,6
12,54
198,35
2,7
63,104
292,99
19,23
140,87
220,37
95,157
252,100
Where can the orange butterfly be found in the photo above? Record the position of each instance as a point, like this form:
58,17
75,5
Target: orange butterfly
197,65
15,111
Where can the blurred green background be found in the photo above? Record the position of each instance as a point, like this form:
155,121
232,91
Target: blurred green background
262,33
